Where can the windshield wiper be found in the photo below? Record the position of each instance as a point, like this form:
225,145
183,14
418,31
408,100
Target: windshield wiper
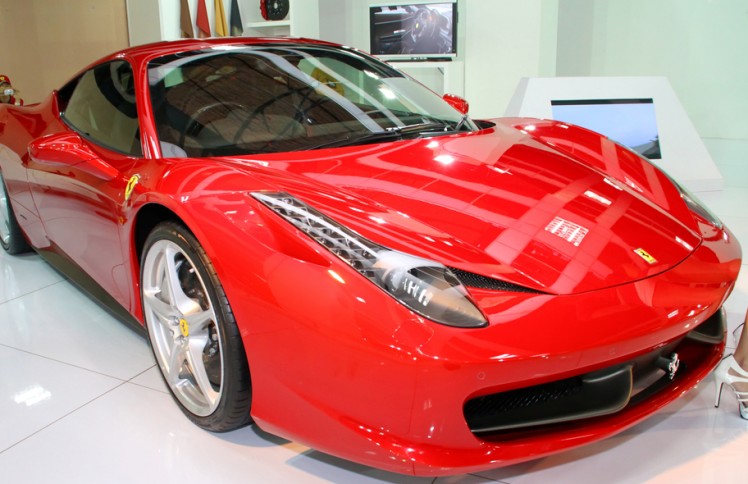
392,133
461,123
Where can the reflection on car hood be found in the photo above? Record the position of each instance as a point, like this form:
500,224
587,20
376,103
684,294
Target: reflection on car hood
495,202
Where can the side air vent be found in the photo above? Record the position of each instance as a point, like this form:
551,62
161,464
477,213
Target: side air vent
477,281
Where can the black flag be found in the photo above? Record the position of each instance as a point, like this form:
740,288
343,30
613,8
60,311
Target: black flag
236,20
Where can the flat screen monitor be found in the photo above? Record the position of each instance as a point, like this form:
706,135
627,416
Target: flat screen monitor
414,31
630,122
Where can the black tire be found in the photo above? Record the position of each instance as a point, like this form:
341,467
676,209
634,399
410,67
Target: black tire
210,383
11,237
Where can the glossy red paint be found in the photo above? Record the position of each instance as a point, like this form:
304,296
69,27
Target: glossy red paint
507,204
336,363
457,102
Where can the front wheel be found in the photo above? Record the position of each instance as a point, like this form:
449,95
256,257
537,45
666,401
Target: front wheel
192,330
11,237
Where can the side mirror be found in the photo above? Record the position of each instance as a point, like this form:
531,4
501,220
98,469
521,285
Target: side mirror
457,102
69,149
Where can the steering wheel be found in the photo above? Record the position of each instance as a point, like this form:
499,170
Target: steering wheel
297,115
195,125
425,24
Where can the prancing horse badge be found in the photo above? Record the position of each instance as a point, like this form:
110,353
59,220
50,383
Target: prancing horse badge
131,186
645,255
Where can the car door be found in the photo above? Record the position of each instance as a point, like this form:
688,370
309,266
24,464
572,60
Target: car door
79,175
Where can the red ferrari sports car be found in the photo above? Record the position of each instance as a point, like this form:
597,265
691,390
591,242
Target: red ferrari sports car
315,242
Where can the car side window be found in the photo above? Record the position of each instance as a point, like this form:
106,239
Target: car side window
100,105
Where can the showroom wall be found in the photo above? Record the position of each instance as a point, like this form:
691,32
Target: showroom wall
699,45
45,42
498,41
505,41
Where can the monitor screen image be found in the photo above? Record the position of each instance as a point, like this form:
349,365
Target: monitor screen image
630,122
415,31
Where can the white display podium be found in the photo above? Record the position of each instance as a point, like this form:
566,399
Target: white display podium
683,154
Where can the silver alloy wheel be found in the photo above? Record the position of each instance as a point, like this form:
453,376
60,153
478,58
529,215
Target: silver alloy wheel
4,214
182,325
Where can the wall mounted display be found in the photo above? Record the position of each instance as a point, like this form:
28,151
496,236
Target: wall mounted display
414,31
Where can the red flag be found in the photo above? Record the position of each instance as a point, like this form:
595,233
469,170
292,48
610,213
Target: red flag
222,29
186,21
203,24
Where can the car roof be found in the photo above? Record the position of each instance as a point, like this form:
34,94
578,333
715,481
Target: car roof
140,55
146,52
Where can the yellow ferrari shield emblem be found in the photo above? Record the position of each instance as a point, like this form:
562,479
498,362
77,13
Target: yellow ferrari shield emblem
131,186
184,327
645,255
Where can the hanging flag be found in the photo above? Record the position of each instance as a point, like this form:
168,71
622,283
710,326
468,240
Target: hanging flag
222,30
185,21
236,19
203,24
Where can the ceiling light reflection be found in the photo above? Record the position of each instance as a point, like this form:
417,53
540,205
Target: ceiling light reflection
595,196
685,244
387,92
612,183
32,395
336,276
445,159
500,170
567,230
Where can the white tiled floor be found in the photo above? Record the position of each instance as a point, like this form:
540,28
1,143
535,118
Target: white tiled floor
81,401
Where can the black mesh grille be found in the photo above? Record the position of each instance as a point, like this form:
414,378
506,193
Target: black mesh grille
470,279
522,398
607,391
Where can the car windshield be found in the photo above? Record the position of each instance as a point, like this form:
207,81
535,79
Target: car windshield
273,98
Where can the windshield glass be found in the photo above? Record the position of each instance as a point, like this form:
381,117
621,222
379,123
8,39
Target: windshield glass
273,98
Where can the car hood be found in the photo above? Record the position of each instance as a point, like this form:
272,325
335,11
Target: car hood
496,202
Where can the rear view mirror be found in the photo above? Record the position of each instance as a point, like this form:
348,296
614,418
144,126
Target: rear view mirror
69,149
457,102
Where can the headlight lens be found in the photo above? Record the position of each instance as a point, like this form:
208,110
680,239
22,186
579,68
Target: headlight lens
424,286
693,203
698,207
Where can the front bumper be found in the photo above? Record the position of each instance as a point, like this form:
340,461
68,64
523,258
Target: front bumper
350,372
593,394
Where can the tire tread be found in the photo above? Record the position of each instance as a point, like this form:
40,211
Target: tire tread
17,243
233,411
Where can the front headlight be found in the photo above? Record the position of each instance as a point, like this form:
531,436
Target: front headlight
424,286
698,207
692,202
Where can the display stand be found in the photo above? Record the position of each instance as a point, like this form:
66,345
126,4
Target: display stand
684,155
443,77
302,21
